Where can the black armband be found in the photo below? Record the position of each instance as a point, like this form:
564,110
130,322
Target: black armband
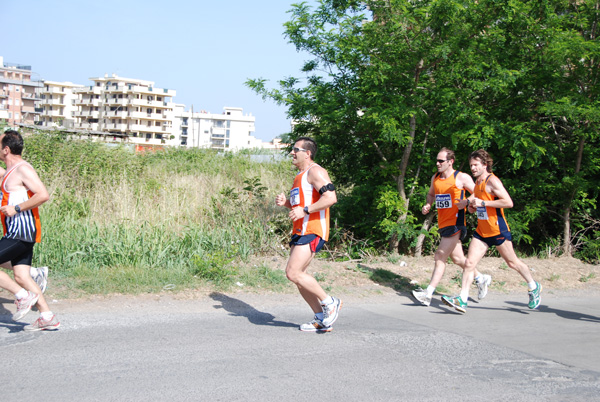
327,187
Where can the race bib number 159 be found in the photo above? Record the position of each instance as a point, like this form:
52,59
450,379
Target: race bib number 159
443,201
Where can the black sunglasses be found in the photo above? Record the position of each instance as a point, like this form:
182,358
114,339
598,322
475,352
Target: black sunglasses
296,149
442,160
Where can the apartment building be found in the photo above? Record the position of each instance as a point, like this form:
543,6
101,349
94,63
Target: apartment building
17,94
229,130
57,104
126,108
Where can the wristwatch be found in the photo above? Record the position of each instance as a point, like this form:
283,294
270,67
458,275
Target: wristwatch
483,203
17,208
306,211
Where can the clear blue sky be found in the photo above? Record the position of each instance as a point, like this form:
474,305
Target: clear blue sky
205,50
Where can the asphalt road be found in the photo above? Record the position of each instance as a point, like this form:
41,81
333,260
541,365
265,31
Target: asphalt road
241,347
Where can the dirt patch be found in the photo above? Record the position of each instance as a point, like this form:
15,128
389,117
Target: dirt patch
402,272
374,277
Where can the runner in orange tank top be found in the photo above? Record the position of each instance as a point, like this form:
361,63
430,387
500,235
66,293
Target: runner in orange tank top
489,200
310,198
447,189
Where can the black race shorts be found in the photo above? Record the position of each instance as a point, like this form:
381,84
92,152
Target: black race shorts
18,252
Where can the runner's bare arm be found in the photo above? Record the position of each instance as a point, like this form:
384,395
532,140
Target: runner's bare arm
429,199
465,182
318,177
282,201
495,187
32,182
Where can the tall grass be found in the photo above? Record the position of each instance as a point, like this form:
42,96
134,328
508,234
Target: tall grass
124,222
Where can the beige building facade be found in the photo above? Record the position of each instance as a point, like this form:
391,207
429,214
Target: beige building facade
18,95
126,108
58,104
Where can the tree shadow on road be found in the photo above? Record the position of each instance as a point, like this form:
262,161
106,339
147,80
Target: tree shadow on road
384,277
571,315
238,308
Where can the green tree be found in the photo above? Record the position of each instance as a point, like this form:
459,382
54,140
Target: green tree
390,82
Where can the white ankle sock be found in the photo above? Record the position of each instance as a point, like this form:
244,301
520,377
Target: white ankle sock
21,294
430,289
46,315
327,300
532,285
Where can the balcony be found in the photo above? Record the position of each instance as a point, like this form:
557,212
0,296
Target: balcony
88,90
86,126
153,91
121,114
217,131
51,113
53,102
52,90
145,129
29,96
88,102
87,113
116,126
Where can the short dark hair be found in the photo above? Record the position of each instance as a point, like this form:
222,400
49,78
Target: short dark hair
13,140
310,145
484,157
449,153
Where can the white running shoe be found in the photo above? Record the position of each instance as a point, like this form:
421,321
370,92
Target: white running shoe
421,296
331,311
41,325
315,326
40,276
24,305
483,286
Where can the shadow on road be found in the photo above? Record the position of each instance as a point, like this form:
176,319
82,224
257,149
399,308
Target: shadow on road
384,277
239,308
571,315
3,301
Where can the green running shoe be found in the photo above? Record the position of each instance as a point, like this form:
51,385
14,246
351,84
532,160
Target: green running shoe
455,302
535,296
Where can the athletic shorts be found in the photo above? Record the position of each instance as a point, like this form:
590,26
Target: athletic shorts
18,252
315,242
494,240
450,231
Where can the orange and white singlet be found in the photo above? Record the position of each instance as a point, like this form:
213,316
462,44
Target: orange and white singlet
304,194
446,193
25,225
490,220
